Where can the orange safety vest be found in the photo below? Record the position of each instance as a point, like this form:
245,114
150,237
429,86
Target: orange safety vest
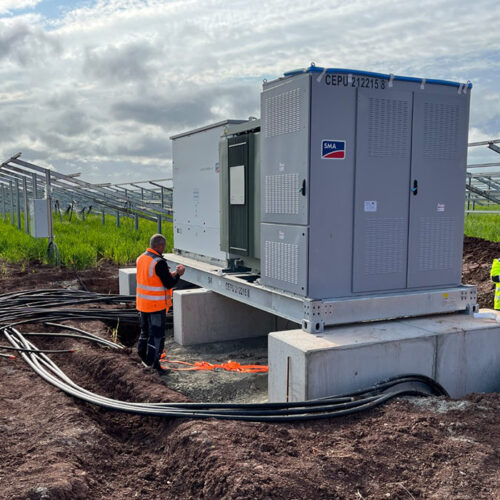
150,294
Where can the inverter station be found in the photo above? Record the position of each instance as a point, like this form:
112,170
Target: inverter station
334,225
351,186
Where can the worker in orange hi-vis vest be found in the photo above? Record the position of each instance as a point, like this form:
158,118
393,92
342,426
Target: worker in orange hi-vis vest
154,299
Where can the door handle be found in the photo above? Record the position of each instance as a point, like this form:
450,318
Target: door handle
414,189
302,190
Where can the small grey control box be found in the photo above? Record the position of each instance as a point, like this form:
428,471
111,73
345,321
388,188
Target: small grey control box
39,221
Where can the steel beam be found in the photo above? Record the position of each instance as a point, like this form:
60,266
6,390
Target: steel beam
315,315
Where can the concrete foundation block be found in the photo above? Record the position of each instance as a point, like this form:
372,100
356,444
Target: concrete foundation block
460,352
202,316
127,281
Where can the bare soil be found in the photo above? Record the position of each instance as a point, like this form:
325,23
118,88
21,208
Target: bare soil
54,447
478,257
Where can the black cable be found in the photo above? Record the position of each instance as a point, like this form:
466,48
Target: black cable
46,351
310,410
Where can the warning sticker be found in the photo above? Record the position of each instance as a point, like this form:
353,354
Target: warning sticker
370,206
440,207
332,149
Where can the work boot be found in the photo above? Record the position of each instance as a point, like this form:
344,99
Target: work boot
160,369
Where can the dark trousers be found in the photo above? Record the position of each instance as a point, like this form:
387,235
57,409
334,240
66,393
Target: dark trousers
152,337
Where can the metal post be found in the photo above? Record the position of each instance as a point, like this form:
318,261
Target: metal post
142,193
117,218
159,223
25,195
3,202
162,198
468,194
12,221
83,214
34,182
48,196
18,205
103,217
136,222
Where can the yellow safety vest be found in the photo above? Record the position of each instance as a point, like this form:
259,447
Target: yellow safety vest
495,271
151,295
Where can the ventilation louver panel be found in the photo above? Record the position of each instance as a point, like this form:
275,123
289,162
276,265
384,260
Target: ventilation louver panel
437,236
282,194
388,128
282,113
281,261
385,249
440,131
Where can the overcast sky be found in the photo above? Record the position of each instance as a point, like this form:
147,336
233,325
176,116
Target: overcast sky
98,86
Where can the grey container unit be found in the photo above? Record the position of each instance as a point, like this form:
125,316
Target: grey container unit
239,188
362,182
195,158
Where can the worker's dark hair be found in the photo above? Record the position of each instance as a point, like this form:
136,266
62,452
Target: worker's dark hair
156,240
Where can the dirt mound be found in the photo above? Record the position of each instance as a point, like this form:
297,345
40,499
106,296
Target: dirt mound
101,279
478,257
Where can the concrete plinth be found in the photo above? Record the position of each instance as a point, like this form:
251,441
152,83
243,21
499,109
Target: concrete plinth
202,316
460,352
127,281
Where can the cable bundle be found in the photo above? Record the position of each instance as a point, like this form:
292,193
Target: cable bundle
33,306
335,406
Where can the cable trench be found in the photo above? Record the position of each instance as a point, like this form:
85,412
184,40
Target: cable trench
47,306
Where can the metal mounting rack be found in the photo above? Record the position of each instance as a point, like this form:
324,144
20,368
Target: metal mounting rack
483,188
147,200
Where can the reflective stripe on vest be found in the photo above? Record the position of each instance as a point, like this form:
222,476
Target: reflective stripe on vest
151,295
148,297
495,271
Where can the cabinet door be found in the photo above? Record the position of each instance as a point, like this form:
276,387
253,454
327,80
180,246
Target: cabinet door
238,195
439,155
382,175
285,151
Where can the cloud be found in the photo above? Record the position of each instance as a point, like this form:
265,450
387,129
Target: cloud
105,84
7,6
121,64
25,45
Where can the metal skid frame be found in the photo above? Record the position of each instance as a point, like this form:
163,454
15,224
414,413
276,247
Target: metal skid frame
315,315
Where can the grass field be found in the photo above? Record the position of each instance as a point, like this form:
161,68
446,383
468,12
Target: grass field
82,244
485,226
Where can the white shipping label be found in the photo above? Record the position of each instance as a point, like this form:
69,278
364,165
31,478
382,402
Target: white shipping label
440,207
237,185
281,235
370,206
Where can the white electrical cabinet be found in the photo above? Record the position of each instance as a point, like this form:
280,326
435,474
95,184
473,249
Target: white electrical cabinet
362,182
196,191
39,222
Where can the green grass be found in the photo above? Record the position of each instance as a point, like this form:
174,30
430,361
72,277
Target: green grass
82,244
483,226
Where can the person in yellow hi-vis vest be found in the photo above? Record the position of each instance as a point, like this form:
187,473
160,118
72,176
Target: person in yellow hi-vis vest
495,277
154,299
